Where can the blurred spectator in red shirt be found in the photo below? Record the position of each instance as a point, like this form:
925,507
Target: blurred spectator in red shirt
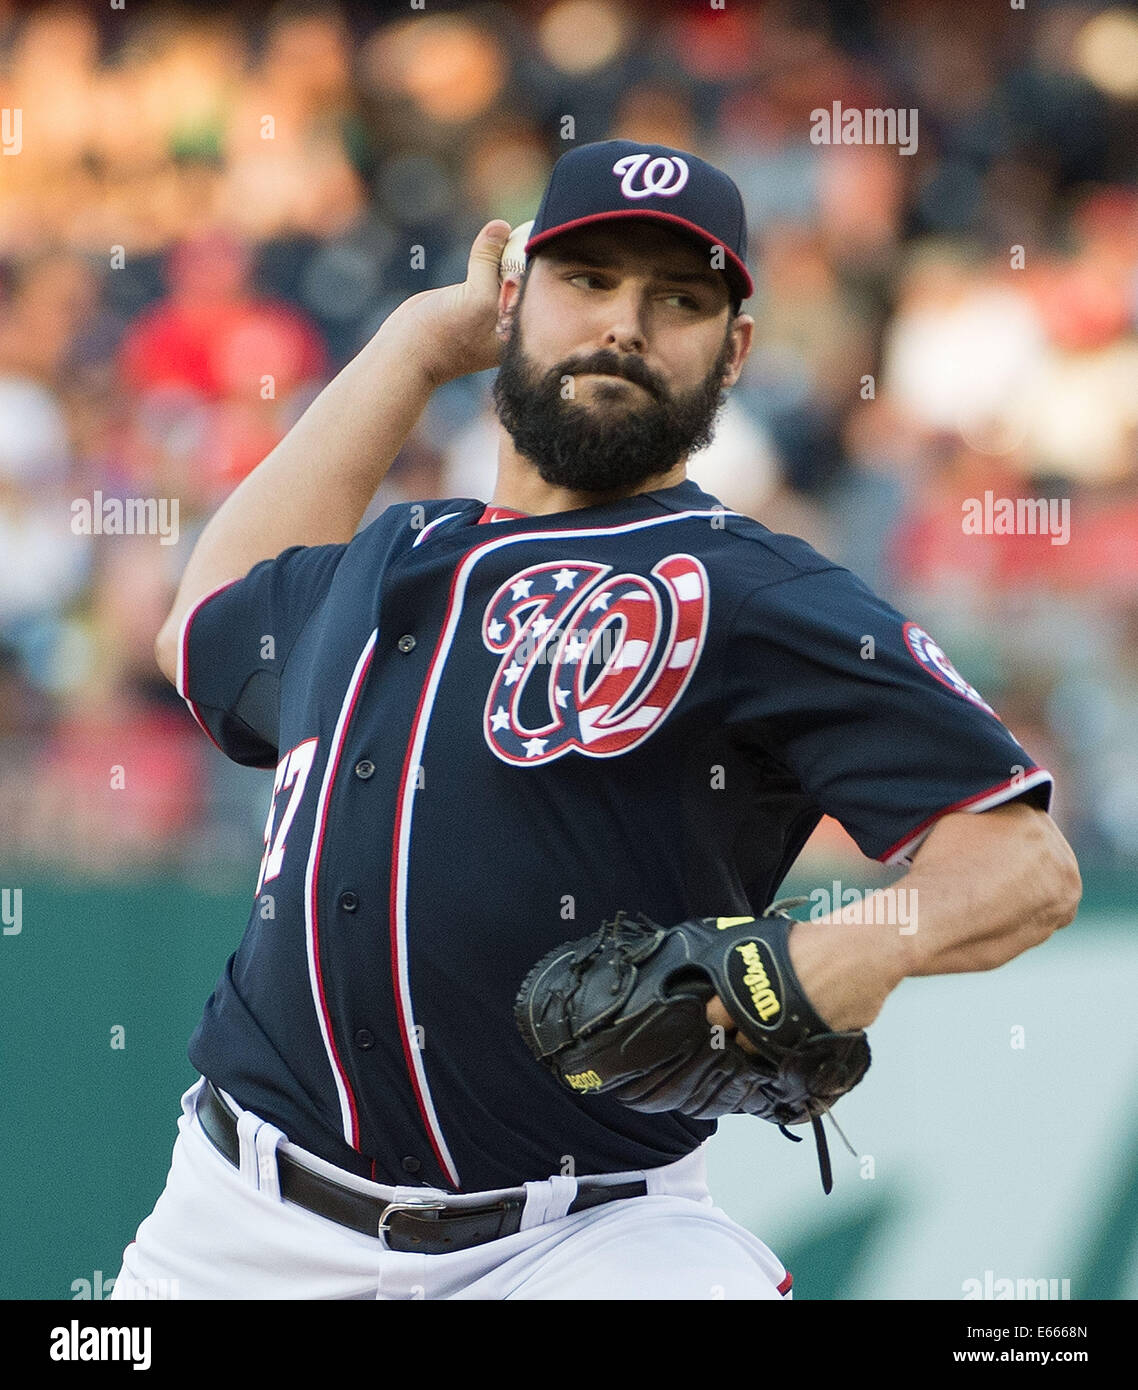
214,335
215,340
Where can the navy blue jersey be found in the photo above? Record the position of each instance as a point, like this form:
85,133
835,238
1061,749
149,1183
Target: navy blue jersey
490,732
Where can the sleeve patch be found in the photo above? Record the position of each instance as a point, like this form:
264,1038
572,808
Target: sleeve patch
929,655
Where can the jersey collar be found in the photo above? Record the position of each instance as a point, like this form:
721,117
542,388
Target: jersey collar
682,497
499,514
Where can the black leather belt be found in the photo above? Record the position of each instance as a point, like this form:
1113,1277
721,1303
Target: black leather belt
426,1227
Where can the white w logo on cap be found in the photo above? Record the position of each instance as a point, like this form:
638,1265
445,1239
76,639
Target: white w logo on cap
665,175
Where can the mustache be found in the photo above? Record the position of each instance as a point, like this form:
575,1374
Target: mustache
631,368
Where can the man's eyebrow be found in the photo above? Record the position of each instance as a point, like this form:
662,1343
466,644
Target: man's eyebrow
703,277
604,260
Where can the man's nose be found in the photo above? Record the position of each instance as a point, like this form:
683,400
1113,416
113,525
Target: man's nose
624,330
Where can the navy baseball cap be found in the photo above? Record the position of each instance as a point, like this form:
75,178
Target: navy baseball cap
621,179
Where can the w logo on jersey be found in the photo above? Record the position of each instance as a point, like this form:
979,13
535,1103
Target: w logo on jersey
591,660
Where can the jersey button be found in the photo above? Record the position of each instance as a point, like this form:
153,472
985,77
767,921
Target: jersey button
349,902
411,1164
364,769
365,1038
406,643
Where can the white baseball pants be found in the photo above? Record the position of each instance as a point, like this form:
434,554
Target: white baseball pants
219,1232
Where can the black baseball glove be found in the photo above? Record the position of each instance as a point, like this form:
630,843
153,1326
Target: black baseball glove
622,1013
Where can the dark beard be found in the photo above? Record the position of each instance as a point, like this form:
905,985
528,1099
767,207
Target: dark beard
598,448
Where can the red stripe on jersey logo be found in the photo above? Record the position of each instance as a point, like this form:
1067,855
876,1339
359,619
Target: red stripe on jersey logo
591,662
932,657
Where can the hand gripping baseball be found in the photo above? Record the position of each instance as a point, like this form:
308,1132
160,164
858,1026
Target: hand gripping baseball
621,1013
453,331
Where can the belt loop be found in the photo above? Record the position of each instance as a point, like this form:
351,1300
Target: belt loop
247,1126
259,1141
548,1200
268,1140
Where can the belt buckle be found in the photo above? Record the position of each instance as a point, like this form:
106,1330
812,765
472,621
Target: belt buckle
413,1206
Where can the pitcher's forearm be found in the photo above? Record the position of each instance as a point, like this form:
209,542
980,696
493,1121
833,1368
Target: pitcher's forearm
314,487
989,886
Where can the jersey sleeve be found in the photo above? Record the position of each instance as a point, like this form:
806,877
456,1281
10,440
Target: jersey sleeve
867,713
234,645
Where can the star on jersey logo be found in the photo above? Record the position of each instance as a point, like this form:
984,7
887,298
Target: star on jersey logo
591,661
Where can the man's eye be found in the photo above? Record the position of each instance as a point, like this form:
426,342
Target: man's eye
588,279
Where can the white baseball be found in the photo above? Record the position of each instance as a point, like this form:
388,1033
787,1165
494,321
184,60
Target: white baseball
513,260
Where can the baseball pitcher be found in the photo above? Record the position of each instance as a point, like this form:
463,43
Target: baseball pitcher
540,765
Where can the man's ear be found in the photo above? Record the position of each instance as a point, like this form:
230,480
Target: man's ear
742,333
509,297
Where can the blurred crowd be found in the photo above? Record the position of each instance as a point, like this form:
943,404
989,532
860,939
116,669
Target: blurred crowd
205,212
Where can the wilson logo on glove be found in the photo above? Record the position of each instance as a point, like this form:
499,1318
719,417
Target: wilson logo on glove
749,969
